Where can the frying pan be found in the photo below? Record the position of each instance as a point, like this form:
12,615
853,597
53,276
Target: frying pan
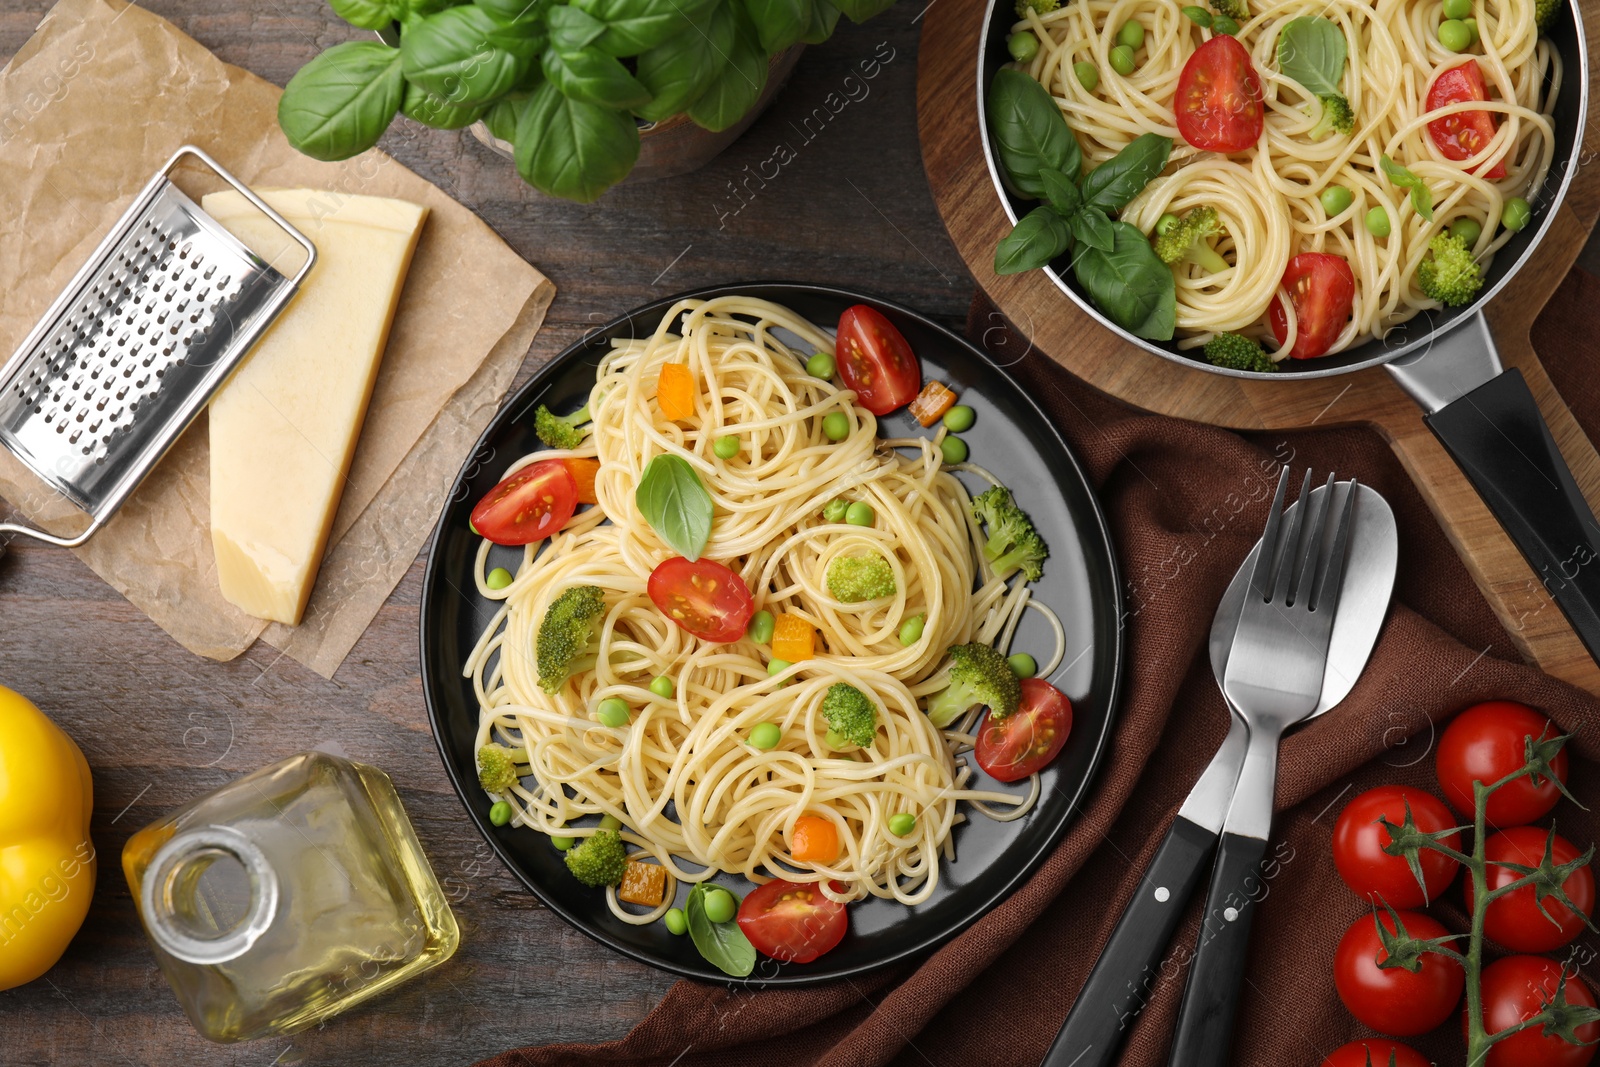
1446,360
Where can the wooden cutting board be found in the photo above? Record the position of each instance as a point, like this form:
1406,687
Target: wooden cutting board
972,212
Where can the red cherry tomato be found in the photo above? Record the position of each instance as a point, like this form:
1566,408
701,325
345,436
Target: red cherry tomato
876,361
1517,988
1466,133
1392,1000
1487,742
1029,738
1369,871
1375,1052
792,921
1219,98
528,506
1323,289
1515,920
703,597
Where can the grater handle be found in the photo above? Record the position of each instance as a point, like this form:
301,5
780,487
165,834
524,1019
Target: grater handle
256,201
48,538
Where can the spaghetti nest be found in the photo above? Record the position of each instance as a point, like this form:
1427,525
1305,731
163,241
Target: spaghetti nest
681,778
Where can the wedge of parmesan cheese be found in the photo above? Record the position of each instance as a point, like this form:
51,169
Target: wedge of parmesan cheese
284,428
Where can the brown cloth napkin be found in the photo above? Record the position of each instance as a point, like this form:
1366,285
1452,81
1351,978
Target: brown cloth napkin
1186,502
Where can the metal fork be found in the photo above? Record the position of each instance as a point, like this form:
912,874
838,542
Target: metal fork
1274,680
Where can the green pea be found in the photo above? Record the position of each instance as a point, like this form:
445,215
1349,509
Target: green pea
662,686
1335,198
1378,222
777,666
563,843
610,822
500,814
760,628
719,906
1515,215
1457,9
677,922
960,418
1199,16
1131,34
1122,60
1088,75
859,513
1471,24
613,711
953,449
902,824
821,365
1023,665
1468,229
1023,46
1223,26
911,630
498,578
726,447
765,735
1454,35
836,509
836,426
1165,223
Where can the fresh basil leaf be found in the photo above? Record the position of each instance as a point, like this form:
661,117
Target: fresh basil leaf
738,85
1130,284
1029,132
571,148
589,74
367,14
677,71
1122,177
339,104
862,10
572,27
1401,178
1091,227
675,503
635,25
1060,192
722,944
1312,51
1038,237
824,17
513,11
779,23
411,9
431,110
465,55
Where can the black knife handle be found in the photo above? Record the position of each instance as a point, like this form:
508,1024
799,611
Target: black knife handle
1123,977
1211,995
1498,437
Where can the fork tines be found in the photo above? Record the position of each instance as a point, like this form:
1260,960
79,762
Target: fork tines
1298,568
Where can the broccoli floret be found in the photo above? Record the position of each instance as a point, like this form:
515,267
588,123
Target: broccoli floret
1449,275
566,635
598,860
1237,10
1189,237
1238,352
497,770
1337,117
1043,7
558,432
1013,543
978,675
851,714
852,579
1544,13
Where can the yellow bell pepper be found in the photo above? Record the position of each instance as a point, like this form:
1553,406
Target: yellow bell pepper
47,862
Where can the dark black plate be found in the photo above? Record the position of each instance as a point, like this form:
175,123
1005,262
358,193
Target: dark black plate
1013,439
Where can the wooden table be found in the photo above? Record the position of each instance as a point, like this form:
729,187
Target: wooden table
161,726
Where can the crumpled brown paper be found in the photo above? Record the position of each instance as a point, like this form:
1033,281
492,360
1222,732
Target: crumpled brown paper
90,108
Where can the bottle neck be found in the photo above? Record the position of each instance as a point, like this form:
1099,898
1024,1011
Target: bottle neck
208,895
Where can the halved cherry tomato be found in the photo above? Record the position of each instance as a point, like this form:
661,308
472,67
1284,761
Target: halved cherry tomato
529,506
1359,840
1375,1052
1487,742
1323,289
1028,739
1219,98
703,597
1393,1000
1466,133
1515,920
876,361
792,921
1516,989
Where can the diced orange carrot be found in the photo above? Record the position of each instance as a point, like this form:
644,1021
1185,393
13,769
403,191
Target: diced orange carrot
931,404
793,638
815,840
644,883
675,391
584,471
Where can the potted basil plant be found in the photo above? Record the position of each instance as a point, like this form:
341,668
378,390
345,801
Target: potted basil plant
567,84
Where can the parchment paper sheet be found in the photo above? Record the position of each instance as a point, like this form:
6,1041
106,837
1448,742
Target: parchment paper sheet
90,108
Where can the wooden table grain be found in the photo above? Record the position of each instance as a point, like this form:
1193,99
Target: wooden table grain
161,726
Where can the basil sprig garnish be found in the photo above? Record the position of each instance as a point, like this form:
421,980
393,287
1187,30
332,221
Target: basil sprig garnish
675,503
722,944
1312,51
1040,158
1401,178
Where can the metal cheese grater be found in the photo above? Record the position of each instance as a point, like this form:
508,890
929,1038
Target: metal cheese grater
143,336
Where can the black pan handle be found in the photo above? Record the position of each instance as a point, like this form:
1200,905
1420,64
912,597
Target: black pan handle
1128,968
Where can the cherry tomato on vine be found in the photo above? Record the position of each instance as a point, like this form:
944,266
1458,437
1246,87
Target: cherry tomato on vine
1487,742
1029,738
876,361
703,597
792,921
1375,1052
1218,103
1515,920
1517,988
1358,843
529,506
1393,1000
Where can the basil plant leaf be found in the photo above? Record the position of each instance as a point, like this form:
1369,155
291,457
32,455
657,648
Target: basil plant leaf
1060,192
412,9
1038,237
635,25
779,23
824,17
572,27
722,944
1119,179
435,111
502,116
512,11
1091,227
1130,284
675,503
339,104
466,56
1401,178
571,148
678,70
738,85
1029,132
367,14
1312,51
589,74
